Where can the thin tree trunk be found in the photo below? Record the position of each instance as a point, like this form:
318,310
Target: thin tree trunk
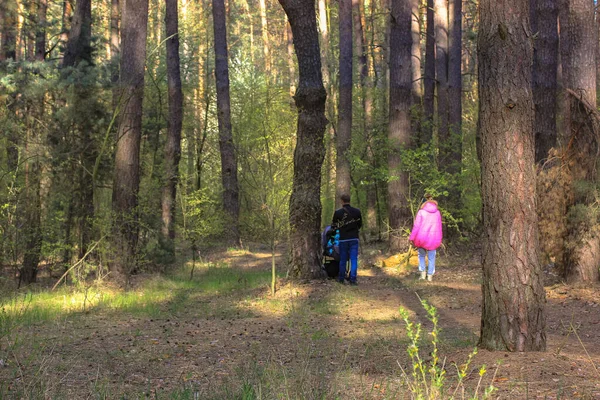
8,43
512,315
173,145
429,81
32,225
367,104
417,90
441,76
453,164
115,50
79,45
344,132
40,34
330,176
305,201
228,156
544,24
399,120
127,154
30,29
65,22
265,36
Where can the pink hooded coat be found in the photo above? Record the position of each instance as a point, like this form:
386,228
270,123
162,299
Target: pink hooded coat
427,229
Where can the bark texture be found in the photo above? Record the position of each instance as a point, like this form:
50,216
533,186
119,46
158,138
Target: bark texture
40,33
173,144
399,134
115,50
344,131
544,24
429,79
8,43
229,177
305,201
127,153
79,45
513,315
441,77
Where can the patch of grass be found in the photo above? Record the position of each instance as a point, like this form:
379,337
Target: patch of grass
157,296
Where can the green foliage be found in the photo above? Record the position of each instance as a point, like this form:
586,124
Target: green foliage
427,380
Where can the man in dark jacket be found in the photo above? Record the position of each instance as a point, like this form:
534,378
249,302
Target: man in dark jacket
348,221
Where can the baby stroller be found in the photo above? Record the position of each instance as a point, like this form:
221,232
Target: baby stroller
331,252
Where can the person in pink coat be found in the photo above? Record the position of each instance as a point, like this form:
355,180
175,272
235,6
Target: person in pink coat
426,235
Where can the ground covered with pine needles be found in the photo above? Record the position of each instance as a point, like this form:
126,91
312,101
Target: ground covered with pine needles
221,335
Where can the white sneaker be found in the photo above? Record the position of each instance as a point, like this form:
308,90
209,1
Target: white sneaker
423,275
429,278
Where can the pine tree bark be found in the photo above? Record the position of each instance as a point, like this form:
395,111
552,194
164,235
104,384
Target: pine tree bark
513,315
582,253
417,91
66,22
305,201
265,37
228,156
344,131
544,24
453,164
399,119
173,145
79,45
441,76
429,80
40,34
115,49
127,154
8,44
290,54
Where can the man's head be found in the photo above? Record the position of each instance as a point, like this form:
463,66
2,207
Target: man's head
345,198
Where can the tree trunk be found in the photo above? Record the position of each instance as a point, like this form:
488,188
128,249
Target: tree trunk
8,44
441,76
79,45
344,132
582,253
330,175
40,34
228,156
115,50
429,82
127,154
65,22
399,120
32,225
359,43
513,315
453,165
173,145
544,24
305,202
417,90
265,37
290,54
367,104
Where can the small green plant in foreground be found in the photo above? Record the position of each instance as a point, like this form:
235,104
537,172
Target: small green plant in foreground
427,381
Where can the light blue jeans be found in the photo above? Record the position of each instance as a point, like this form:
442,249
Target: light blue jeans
430,257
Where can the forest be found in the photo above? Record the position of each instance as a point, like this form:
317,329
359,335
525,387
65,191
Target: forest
168,168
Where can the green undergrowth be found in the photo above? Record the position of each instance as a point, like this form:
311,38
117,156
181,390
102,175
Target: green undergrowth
156,296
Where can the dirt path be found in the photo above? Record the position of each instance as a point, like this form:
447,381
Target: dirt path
315,340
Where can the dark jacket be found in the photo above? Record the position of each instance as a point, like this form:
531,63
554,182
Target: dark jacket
348,220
